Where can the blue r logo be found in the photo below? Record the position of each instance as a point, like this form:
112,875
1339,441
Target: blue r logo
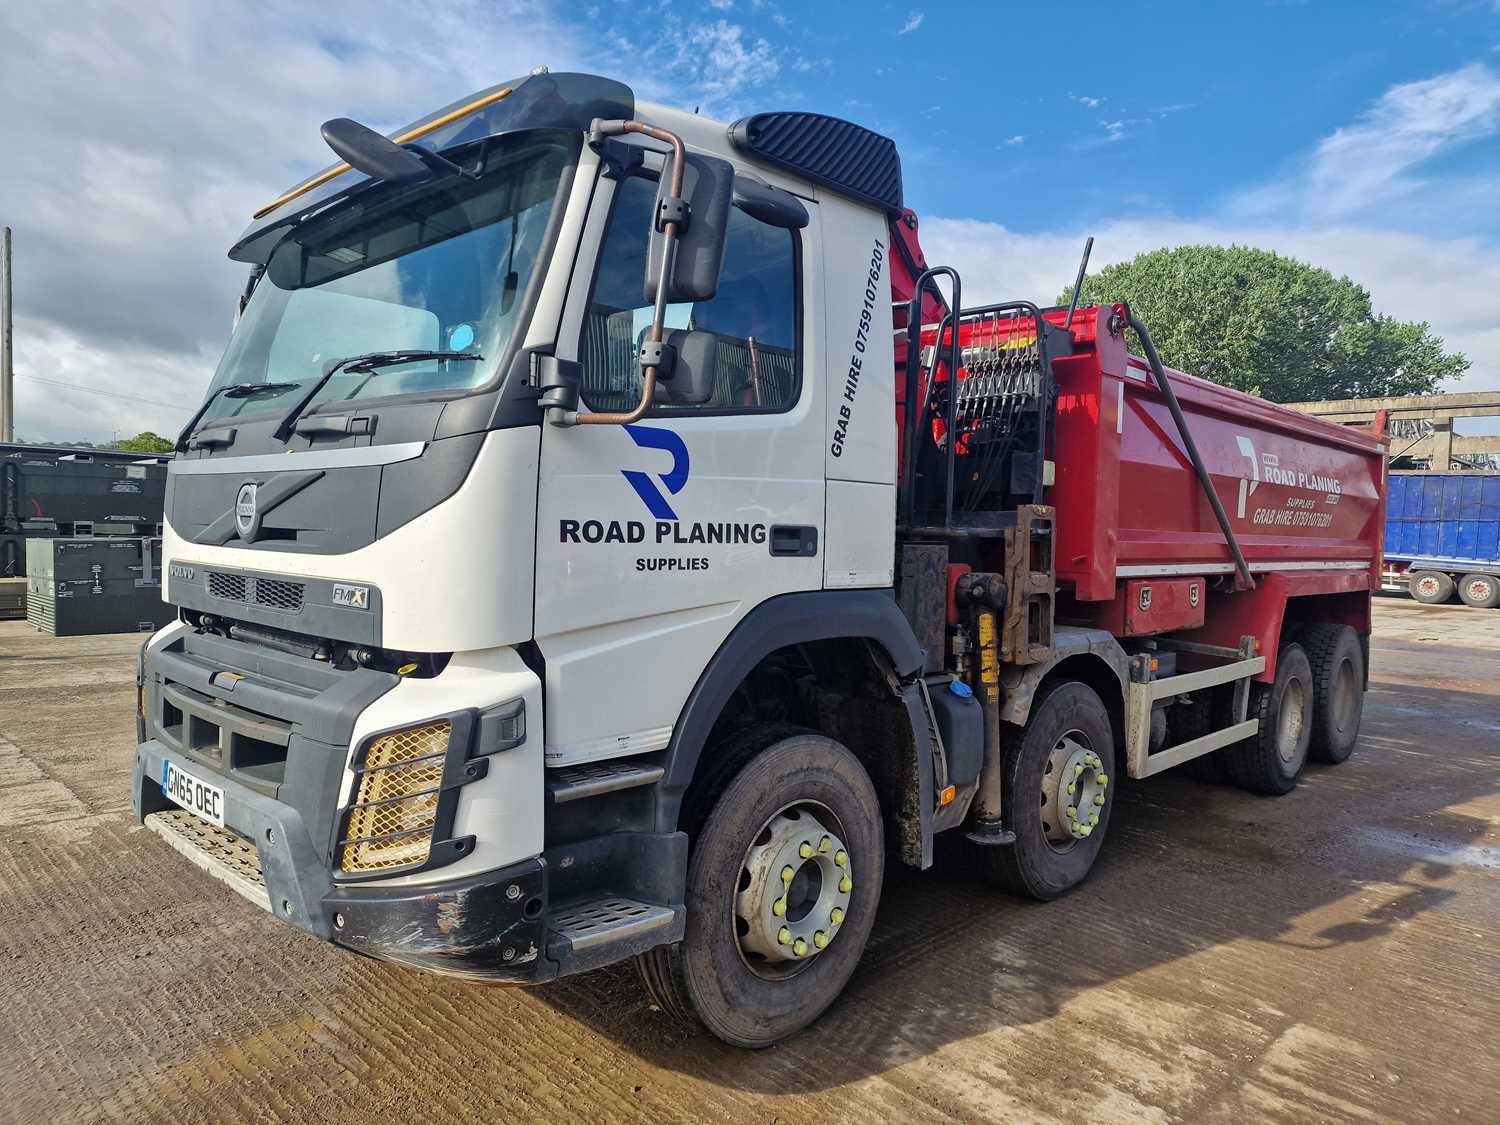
675,478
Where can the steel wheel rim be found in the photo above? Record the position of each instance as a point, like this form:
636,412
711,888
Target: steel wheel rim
1480,589
1427,586
783,924
1073,791
1290,721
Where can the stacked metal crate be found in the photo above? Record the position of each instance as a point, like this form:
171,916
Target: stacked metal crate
49,492
102,584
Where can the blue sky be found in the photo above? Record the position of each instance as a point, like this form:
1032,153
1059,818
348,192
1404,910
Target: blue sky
1361,136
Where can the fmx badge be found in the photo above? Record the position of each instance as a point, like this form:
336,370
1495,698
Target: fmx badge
673,479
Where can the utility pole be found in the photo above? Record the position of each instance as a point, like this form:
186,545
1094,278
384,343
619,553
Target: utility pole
7,359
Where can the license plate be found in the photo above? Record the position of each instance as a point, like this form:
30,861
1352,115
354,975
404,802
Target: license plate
192,794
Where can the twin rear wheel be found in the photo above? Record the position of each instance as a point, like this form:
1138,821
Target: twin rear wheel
1431,587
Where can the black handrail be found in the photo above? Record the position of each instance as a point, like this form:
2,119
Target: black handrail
927,278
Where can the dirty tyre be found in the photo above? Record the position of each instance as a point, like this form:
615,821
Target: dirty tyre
715,975
1482,591
1271,760
1046,862
1338,674
1430,587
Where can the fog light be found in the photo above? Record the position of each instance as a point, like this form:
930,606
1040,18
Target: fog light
394,813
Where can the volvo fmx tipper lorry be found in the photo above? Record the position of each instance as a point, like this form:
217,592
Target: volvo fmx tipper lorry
605,537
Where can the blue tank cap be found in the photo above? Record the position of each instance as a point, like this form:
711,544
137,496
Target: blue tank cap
960,689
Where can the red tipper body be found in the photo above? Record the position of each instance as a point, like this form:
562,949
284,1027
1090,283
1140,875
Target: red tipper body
1137,544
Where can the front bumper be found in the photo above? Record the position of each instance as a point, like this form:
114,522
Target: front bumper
487,927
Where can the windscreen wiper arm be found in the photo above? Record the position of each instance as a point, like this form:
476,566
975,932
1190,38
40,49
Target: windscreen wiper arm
229,390
369,363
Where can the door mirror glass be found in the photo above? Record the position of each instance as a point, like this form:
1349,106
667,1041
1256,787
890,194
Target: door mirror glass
708,188
694,369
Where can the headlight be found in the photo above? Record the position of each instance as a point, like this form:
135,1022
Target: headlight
391,822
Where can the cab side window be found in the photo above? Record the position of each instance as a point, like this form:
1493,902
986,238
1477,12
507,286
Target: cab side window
754,313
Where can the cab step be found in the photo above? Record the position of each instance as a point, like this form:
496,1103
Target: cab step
574,783
588,932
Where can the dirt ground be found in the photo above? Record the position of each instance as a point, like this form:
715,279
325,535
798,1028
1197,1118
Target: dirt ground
1333,955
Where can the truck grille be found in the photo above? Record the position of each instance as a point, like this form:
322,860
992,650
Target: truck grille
231,586
273,593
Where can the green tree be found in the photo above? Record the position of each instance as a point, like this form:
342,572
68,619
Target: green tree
144,442
1259,322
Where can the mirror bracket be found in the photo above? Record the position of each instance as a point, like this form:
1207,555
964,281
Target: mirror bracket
658,354
619,159
673,209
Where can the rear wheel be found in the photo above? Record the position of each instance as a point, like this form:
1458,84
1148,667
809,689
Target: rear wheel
1056,797
1430,587
783,883
1338,674
1271,760
1482,591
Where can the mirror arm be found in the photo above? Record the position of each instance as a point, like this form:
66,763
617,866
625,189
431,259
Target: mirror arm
668,262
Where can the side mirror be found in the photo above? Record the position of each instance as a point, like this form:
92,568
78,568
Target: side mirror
769,205
707,188
694,369
364,149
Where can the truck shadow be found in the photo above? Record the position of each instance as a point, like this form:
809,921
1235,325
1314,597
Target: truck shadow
1190,867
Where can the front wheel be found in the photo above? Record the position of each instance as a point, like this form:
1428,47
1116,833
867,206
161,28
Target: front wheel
1057,794
783,884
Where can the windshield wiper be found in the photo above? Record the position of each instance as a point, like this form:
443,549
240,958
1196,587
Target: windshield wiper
368,363
229,390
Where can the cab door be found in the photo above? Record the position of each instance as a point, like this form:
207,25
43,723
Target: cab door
654,540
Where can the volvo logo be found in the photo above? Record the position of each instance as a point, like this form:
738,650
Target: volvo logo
245,515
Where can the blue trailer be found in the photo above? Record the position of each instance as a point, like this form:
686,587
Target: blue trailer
1442,537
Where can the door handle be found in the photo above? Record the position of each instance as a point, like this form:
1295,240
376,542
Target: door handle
794,541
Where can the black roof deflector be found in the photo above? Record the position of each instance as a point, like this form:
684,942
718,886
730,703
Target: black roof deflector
838,154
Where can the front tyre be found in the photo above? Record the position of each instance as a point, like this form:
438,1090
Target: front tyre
1058,794
782,888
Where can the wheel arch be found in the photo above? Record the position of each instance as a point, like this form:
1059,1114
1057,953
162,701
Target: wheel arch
843,627
1092,656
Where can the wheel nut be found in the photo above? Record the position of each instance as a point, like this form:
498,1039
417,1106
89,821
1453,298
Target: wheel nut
820,939
824,844
1070,812
1093,820
1072,788
806,850
787,873
1084,829
783,936
799,947
840,858
846,884
778,907
1099,799
1102,779
1078,771
835,915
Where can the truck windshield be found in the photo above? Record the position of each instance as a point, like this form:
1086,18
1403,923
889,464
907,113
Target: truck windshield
439,266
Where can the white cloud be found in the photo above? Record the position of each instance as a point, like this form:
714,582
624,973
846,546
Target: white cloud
1090,103
913,22
1375,161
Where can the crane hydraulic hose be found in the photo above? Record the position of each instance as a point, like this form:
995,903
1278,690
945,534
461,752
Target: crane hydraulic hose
1244,582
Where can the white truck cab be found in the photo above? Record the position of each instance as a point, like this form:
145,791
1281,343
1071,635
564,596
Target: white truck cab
448,655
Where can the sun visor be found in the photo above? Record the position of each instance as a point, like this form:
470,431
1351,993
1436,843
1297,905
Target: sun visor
537,101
